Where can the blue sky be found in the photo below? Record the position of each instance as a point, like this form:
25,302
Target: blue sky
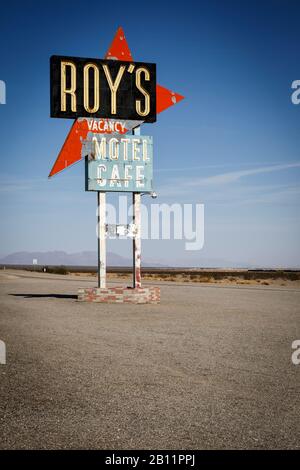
232,144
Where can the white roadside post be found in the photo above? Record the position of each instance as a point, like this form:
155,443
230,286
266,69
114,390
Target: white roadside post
101,213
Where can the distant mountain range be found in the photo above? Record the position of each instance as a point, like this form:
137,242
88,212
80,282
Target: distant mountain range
89,258
59,258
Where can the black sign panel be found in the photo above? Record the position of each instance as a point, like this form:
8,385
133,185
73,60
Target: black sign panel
102,88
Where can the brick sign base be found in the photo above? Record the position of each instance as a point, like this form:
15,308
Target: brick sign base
126,295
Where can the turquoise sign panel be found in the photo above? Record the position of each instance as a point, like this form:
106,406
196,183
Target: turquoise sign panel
118,163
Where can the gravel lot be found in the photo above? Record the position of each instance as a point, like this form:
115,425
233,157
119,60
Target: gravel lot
210,367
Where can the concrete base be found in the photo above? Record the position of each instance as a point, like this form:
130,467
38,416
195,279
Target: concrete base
126,295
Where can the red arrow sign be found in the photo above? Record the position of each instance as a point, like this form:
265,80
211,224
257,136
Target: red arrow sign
71,150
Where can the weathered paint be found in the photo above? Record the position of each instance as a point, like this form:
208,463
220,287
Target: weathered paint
136,200
119,50
121,230
101,229
71,150
119,166
119,295
102,88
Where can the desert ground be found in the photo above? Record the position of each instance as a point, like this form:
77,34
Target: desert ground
208,368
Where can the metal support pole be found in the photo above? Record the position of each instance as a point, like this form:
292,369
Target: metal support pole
136,244
136,201
101,202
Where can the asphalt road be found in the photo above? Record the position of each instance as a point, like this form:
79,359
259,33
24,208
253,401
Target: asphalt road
210,367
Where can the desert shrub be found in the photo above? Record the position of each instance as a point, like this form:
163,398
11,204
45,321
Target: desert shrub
206,279
248,276
57,270
294,276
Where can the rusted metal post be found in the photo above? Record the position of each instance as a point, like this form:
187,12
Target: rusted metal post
136,201
101,201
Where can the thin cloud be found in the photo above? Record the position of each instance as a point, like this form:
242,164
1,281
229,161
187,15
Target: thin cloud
12,188
12,184
176,187
233,176
188,169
